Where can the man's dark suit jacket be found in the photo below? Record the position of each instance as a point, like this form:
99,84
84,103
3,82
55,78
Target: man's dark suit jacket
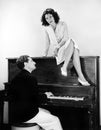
23,94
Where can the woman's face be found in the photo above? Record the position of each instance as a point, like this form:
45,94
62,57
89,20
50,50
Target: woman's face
50,19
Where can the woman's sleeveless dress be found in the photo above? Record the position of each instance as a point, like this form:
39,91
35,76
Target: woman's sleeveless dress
55,36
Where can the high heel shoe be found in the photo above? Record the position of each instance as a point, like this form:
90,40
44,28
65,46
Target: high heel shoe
64,73
83,83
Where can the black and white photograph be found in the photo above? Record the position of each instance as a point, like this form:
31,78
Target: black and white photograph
50,64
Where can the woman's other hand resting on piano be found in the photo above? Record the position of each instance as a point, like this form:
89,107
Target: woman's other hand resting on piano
59,44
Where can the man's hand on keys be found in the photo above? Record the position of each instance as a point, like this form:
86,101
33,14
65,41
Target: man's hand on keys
49,94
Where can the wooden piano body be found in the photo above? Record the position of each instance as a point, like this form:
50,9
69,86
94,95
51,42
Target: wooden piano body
71,110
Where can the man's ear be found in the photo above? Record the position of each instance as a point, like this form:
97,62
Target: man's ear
25,63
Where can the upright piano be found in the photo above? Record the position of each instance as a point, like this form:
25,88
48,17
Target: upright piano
77,106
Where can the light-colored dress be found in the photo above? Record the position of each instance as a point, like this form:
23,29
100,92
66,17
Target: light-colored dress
60,33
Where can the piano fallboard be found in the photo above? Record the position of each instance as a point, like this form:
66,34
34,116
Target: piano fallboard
67,90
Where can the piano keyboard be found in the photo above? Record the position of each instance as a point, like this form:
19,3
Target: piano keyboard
50,95
67,98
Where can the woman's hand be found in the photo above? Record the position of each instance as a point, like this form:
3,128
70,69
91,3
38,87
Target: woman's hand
56,51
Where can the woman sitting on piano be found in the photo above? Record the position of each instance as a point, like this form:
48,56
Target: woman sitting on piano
59,44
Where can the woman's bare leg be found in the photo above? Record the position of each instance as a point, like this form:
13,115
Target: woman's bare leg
76,61
68,55
77,65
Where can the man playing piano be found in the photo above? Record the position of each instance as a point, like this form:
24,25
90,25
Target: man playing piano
23,94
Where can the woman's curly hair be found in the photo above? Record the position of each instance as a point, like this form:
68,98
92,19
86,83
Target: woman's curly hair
53,13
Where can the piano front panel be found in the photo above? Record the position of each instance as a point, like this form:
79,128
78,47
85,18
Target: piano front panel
52,73
48,72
